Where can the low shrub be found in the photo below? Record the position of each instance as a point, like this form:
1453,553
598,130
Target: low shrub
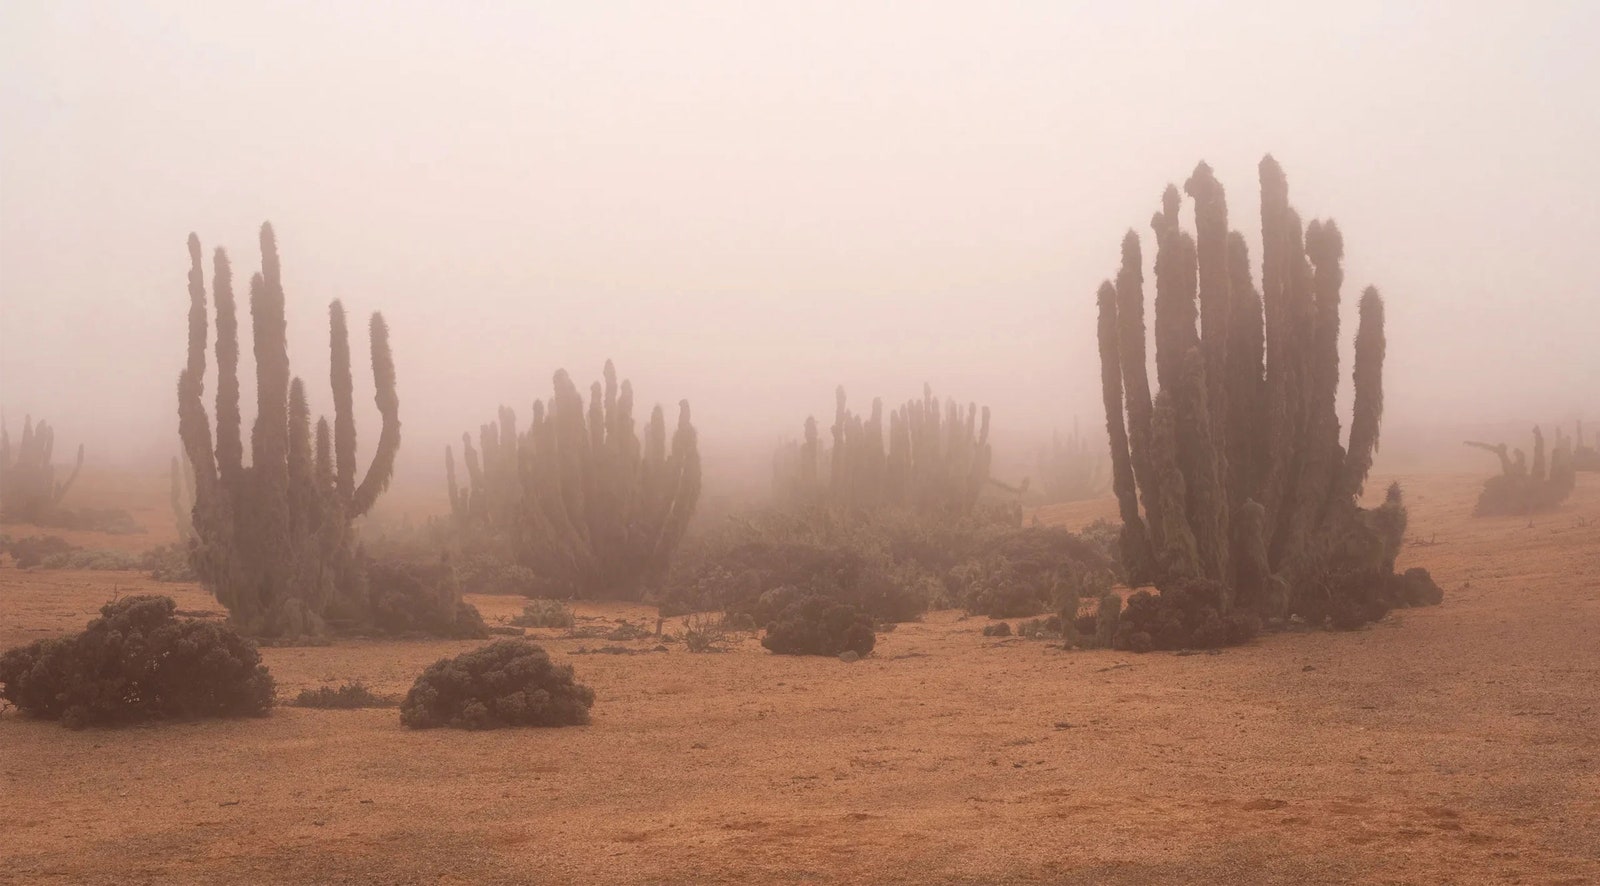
169,562
1049,628
998,629
705,632
542,613
818,625
1185,615
507,683
32,551
137,661
420,599
346,696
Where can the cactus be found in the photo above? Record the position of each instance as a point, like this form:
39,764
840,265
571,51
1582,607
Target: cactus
1519,489
1068,468
1584,456
273,541
937,459
182,476
29,490
1238,461
577,498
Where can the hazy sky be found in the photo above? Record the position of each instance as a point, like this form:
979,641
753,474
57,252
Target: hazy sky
746,203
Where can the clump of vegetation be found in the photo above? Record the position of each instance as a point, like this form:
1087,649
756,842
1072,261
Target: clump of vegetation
998,629
1186,616
346,696
137,661
507,683
818,625
275,541
29,490
34,550
165,563
1051,627
1029,571
420,599
937,459
542,613
893,564
579,500
1521,489
169,562
1234,473
708,632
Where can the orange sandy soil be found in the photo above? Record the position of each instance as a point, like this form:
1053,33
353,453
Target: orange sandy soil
1453,744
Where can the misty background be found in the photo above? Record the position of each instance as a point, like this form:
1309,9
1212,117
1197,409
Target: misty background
747,204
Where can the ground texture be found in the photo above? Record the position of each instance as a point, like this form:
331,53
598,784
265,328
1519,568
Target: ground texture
1454,744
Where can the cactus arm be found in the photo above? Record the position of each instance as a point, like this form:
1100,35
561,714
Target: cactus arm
381,470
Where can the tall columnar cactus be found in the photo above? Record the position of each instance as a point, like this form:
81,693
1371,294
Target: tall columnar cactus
578,498
29,490
937,458
273,540
182,477
1238,461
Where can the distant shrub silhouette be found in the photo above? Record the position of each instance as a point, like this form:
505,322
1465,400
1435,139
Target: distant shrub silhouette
34,550
137,662
998,629
542,613
818,625
507,683
347,696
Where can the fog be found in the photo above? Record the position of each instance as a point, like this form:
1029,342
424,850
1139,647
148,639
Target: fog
745,205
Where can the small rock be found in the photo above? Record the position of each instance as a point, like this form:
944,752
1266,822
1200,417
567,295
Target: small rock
319,823
849,655
1309,668
229,803
1062,724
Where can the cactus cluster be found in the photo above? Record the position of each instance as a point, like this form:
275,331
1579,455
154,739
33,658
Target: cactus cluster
1234,472
1585,457
273,539
578,498
1521,488
1069,469
29,490
936,459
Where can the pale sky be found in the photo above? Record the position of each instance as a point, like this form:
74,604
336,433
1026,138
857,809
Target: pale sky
746,204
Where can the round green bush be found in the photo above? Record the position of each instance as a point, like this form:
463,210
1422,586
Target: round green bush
137,661
507,683
818,625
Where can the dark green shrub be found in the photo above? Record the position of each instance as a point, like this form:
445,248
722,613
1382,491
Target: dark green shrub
347,696
507,683
1184,616
998,629
420,599
818,625
137,662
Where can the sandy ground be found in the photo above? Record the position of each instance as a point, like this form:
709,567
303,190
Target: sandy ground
1454,744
